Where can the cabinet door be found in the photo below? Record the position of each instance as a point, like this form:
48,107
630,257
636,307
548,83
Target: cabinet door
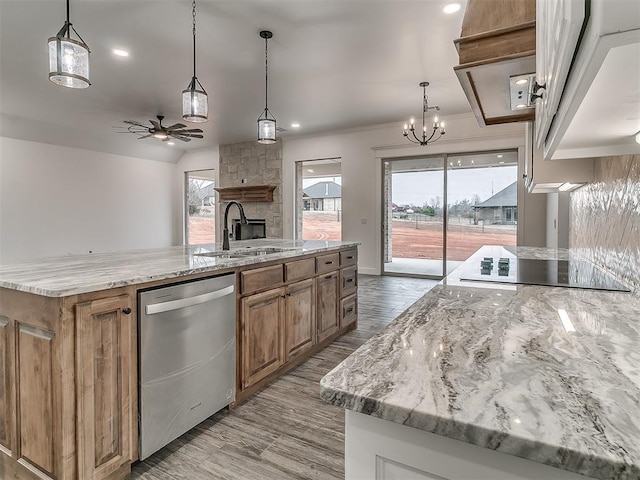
106,366
558,25
7,412
262,339
327,305
300,318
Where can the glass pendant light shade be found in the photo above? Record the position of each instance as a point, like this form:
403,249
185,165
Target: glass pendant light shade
68,59
266,128
195,106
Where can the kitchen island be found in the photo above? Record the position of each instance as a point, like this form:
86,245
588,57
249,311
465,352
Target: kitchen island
69,341
496,381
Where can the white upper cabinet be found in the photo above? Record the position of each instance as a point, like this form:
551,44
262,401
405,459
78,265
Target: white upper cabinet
588,55
558,25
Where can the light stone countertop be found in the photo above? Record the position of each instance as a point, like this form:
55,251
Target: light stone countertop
493,365
76,274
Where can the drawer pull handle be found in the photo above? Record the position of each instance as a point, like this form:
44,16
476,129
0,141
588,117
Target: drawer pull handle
350,257
328,263
350,309
328,277
349,280
126,310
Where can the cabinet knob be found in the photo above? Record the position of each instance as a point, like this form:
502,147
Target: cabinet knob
126,310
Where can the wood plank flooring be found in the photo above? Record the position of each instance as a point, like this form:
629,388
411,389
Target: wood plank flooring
285,431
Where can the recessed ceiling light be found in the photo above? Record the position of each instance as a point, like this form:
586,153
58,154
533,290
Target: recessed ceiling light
501,163
171,143
295,125
522,81
500,156
120,53
451,8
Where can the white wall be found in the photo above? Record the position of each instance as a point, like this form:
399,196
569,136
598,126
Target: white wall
558,220
59,200
362,152
205,159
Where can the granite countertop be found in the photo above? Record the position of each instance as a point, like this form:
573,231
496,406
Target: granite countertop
75,274
493,365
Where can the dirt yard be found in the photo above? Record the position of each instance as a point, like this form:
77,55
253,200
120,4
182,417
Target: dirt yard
410,240
422,240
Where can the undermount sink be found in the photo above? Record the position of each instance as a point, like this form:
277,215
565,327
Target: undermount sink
219,255
248,252
256,251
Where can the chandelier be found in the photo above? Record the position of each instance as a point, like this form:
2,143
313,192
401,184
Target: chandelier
194,100
266,121
427,136
68,58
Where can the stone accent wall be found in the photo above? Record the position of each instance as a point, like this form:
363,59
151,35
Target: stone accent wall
605,218
387,194
257,164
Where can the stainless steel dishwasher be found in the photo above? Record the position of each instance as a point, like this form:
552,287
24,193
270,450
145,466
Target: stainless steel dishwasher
186,357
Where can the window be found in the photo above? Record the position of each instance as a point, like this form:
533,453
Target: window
200,207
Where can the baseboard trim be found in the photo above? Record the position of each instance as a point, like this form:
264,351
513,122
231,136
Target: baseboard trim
368,271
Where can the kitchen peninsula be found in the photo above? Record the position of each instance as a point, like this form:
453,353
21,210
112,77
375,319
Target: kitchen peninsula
496,381
69,341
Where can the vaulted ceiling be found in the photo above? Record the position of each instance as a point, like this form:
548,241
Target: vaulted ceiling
333,65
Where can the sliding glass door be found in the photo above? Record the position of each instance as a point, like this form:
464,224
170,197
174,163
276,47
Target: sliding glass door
439,210
414,200
482,203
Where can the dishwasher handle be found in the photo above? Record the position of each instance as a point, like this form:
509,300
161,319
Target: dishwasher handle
189,301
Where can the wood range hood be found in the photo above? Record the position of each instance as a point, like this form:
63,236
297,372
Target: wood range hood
498,41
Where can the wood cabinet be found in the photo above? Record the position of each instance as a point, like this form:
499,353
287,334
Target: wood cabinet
68,397
327,309
300,318
107,440
314,302
262,338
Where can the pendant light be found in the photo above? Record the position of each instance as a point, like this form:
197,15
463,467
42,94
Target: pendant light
266,121
68,58
194,99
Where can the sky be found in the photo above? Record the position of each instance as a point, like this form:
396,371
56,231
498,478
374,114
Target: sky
416,188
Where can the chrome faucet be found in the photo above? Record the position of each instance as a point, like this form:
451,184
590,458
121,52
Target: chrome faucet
225,232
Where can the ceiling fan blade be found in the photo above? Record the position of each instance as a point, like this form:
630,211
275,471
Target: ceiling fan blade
195,136
132,122
144,136
156,125
176,126
184,139
190,130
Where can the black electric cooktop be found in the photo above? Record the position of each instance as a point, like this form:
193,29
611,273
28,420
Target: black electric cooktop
554,273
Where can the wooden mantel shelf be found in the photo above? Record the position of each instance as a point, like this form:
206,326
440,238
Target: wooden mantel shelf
247,193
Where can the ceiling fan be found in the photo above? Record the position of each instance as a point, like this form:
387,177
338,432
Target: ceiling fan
179,131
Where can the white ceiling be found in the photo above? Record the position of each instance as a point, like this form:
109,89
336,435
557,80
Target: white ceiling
332,65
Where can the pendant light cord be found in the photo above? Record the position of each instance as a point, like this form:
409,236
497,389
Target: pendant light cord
194,38
266,74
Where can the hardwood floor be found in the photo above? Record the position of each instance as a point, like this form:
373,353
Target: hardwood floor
285,431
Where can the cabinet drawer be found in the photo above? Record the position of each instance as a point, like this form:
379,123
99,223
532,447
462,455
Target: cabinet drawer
349,257
261,278
299,269
348,310
348,281
327,263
